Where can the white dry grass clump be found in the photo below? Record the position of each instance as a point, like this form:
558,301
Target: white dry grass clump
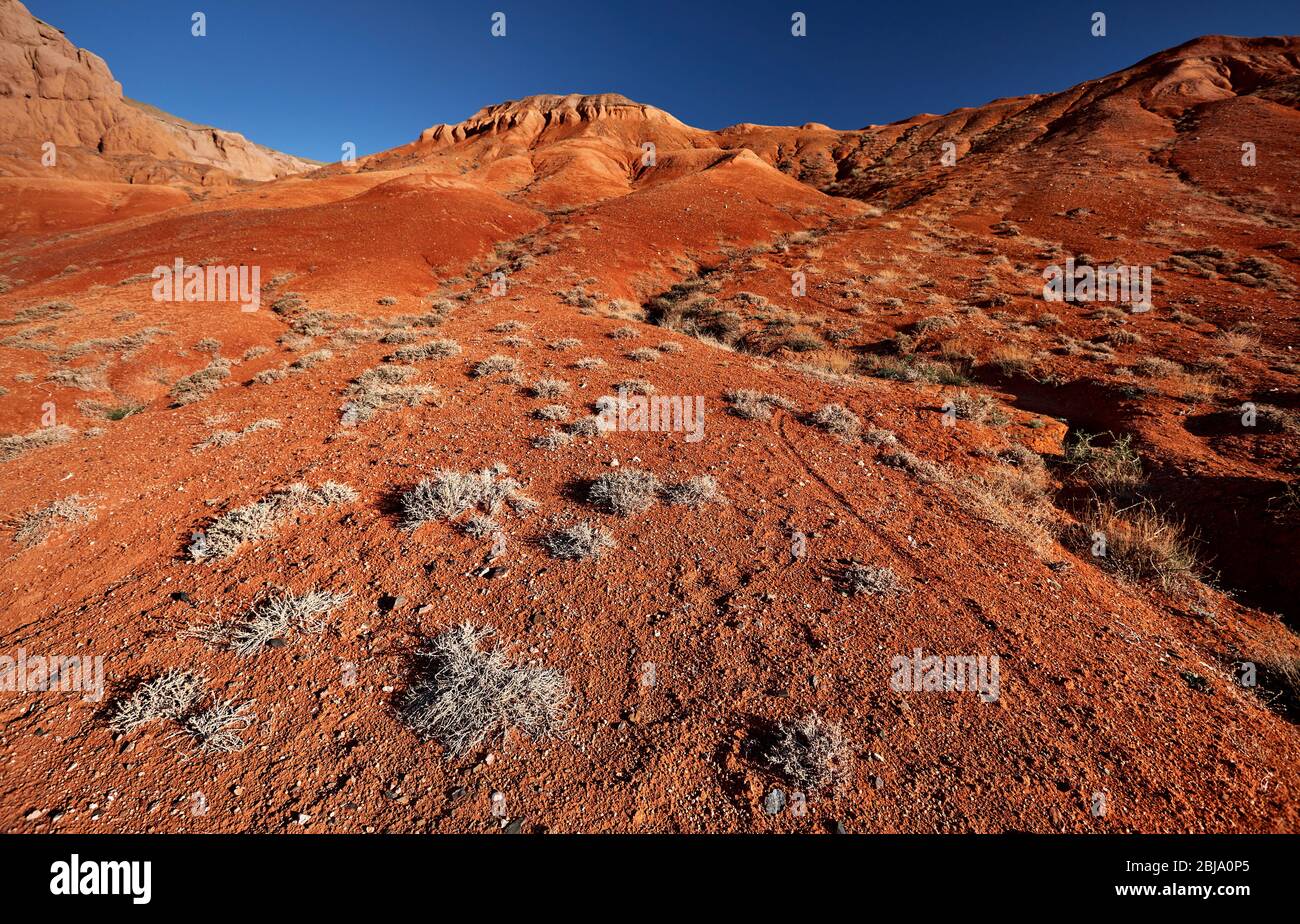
694,492
670,346
470,691
508,327
755,405
35,526
581,541
516,343
431,349
920,469
15,445
644,355
308,360
550,388
589,362
566,343
878,437
838,420
856,579
634,387
198,385
977,408
551,440
259,519
624,333
552,412
168,696
381,388
220,438
624,491
274,618
590,425
219,729
447,494
494,365
85,378
809,752
267,376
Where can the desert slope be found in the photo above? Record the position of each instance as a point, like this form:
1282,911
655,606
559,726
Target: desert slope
928,470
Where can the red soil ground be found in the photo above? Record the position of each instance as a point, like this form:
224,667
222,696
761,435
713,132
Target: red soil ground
1107,685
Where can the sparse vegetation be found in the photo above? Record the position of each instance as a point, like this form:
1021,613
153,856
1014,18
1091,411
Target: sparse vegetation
219,729
550,388
551,440
694,492
634,387
809,752
494,365
920,469
755,405
430,349
220,438
578,542
15,445
272,620
168,696
838,420
1138,544
1109,468
35,526
382,388
857,579
467,691
257,520
624,491
198,385
447,494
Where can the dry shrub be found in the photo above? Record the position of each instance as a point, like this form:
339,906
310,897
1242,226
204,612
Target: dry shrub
259,519
466,692
219,728
581,541
857,579
168,696
693,492
809,752
430,349
838,420
1140,545
16,444
1116,468
920,469
494,365
755,405
1156,367
272,620
447,494
624,491
383,388
550,388
198,385
35,526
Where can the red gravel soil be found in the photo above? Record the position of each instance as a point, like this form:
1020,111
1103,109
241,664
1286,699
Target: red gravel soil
824,267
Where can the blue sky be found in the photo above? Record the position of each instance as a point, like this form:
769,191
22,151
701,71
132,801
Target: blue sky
306,77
